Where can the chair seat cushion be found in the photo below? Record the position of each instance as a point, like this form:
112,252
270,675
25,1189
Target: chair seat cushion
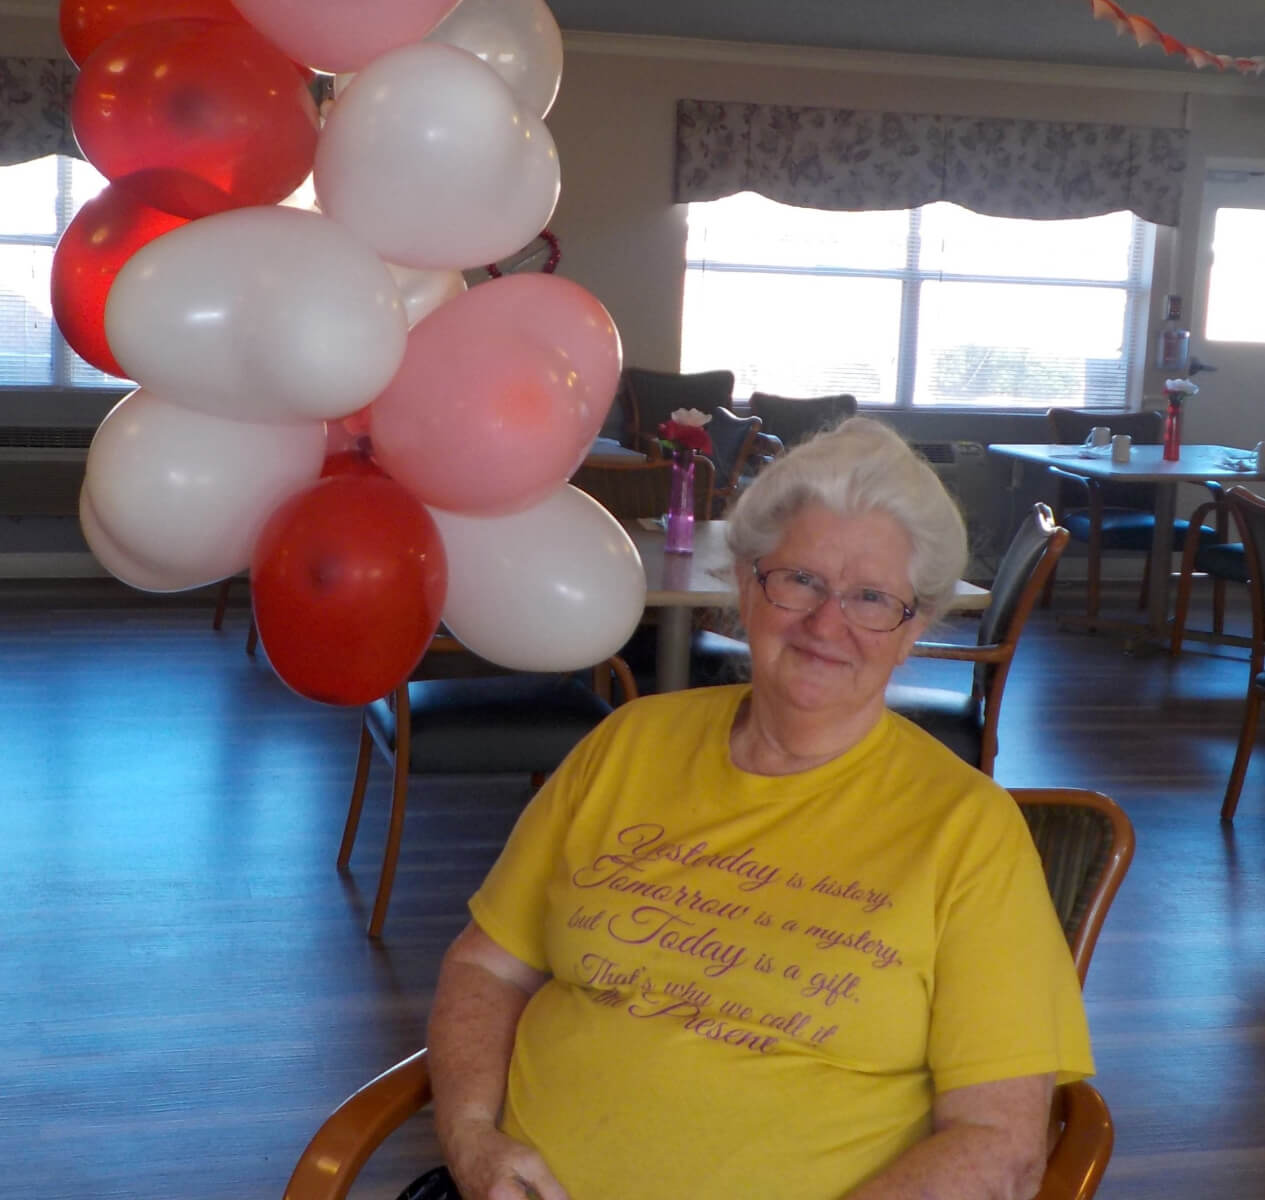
521,723
954,718
1226,560
1128,529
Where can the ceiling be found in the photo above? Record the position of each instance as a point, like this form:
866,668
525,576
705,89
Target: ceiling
1061,31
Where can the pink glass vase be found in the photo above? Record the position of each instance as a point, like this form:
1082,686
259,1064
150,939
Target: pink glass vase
680,520
1173,430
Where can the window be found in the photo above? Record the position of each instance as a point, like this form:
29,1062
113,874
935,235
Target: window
930,306
1238,258
38,199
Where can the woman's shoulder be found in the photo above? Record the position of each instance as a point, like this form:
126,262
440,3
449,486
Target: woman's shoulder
695,705
943,780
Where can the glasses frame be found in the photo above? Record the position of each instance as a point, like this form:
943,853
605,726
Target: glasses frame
838,594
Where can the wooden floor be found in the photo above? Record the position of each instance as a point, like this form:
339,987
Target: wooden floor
186,989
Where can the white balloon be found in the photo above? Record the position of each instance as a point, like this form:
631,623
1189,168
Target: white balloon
518,39
183,494
424,291
259,314
431,160
107,551
556,587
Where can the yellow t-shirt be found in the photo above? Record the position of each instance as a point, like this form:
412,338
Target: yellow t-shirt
759,983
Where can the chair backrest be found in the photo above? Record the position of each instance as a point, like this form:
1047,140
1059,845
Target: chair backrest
732,439
1249,515
632,490
794,420
1032,554
1086,842
1071,426
650,397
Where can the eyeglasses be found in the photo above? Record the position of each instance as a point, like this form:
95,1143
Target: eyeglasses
803,592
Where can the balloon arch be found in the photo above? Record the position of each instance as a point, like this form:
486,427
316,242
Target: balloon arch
267,339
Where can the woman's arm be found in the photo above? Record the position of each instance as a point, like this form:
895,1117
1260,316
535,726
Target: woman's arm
481,993
988,1143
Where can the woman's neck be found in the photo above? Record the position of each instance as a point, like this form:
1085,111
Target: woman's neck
768,741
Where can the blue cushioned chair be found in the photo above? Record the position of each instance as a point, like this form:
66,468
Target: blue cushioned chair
1248,510
966,721
482,721
1222,561
1108,515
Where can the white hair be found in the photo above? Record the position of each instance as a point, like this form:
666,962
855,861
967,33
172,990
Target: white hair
860,466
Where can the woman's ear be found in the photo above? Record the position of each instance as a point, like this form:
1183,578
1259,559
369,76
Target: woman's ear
910,632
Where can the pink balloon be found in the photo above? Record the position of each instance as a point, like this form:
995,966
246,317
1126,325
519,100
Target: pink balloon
334,35
501,392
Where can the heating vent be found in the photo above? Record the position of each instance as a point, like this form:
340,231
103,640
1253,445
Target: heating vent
965,470
35,437
41,469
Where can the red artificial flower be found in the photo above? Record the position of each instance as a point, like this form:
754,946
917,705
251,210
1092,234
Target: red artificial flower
685,437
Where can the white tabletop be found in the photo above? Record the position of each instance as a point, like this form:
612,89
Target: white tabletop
1146,463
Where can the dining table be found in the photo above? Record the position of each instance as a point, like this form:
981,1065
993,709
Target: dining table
1197,463
678,584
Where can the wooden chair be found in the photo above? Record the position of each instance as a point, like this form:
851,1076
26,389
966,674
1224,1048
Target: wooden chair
632,490
967,721
792,420
1107,515
1086,844
496,722
1221,561
1248,510
734,441
648,398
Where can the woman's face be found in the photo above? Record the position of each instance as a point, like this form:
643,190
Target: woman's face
820,662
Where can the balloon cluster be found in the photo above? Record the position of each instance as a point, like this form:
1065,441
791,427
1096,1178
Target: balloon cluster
321,398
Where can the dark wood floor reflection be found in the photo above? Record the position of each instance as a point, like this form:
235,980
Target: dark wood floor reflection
186,986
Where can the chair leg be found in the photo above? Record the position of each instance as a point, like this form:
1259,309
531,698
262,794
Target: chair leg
1247,738
252,637
221,603
1093,562
395,828
1145,590
1180,611
357,802
1218,605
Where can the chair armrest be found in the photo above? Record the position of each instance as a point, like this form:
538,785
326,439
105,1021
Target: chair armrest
648,444
991,653
1089,484
768,446
1076,1164
331,1161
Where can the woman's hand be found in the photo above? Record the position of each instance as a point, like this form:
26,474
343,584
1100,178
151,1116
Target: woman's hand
489,1165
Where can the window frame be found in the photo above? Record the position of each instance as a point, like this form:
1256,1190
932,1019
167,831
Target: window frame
1137,287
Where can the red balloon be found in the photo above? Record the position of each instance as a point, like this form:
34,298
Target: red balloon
85,24
356,461
195,117
105,233
348,581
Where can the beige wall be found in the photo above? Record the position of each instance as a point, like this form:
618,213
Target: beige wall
623,238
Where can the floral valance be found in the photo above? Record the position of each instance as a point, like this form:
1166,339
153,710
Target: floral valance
35,108
1004,167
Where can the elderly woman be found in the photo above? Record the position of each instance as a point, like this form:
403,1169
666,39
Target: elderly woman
770,939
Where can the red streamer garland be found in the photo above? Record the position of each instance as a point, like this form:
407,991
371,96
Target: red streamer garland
1145,33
